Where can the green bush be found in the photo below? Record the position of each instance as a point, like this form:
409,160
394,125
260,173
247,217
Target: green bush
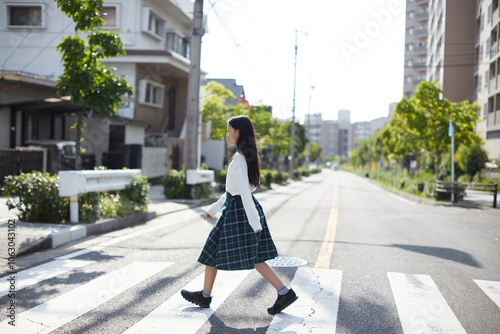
137,193
38,197
220,179
39,201
174,186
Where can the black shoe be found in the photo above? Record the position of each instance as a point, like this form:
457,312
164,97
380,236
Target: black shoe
197,298
282,302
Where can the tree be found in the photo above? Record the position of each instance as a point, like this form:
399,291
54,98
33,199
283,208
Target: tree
472,159
85,78
421,122
214,108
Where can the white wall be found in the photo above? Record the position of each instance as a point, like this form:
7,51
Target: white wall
134,134
154,161
213,151
34,50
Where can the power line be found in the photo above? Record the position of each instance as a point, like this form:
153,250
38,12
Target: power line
238,46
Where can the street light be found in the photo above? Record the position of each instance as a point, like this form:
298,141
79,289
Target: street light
292,146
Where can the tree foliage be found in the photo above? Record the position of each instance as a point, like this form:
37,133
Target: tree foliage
472,159
421,123
85,78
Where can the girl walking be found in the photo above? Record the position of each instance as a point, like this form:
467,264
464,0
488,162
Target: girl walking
240,239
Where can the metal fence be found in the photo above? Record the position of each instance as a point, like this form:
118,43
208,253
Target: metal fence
16,161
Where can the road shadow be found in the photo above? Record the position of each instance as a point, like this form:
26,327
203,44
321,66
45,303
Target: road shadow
217,326
362,315
445,253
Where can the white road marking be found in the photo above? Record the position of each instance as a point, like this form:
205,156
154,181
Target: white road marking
491,289
316,309
421,307
61,310
39,273
177,315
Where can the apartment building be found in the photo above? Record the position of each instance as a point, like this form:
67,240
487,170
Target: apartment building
334,137
450,50
156,37
486,73
312,124
415,44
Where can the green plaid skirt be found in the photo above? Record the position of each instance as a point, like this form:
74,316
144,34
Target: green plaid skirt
232,244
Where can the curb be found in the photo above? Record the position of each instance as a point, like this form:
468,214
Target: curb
427,201
72,233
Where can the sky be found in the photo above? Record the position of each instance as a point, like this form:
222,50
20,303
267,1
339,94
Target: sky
350,54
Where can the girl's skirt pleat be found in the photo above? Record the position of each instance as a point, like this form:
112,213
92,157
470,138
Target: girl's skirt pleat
232,244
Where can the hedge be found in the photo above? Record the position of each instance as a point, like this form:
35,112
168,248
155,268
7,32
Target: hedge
36,197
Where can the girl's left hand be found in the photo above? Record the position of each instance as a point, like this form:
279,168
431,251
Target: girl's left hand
258,231
207,216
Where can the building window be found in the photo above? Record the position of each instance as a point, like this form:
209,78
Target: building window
409,79
110,16
25,16
153,23
410,15
409,47
409,63
486,78
178,44
151,93
410,31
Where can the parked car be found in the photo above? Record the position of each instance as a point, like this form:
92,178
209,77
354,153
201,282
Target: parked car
61,154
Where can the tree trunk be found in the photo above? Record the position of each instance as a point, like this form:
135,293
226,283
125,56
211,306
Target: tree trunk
79,130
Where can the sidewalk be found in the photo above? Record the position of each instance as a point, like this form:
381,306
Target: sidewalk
32,237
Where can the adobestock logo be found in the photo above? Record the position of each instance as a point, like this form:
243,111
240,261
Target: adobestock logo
363,37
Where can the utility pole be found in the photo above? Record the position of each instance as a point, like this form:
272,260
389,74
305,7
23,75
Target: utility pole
451,133
191,156
292,146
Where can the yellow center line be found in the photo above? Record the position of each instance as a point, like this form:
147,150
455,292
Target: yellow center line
325,252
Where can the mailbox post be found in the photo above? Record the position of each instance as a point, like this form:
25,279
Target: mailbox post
72,183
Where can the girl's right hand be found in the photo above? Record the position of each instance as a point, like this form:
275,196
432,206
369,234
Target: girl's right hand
207,216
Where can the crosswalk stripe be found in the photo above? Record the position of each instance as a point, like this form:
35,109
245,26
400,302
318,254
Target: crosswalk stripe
116,240
421,307
176,315
55,313
40,273
491,289
316,309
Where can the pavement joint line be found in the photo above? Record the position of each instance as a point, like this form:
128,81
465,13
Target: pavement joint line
326,250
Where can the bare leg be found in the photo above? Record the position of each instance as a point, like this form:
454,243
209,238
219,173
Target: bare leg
210,274
269,274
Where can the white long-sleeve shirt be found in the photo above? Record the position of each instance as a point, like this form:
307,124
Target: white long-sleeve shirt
237,184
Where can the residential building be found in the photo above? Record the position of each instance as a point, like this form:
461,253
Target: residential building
156,38
334,137
312,124
450,51
415,44
486,82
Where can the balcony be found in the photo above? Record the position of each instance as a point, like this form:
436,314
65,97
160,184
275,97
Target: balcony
420,49
493,118
493,85
423,15
421,32
495,17
421,2
493,50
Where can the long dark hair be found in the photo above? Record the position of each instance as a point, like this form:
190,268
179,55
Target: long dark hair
247,145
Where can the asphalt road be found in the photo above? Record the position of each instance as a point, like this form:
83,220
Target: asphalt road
396,267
